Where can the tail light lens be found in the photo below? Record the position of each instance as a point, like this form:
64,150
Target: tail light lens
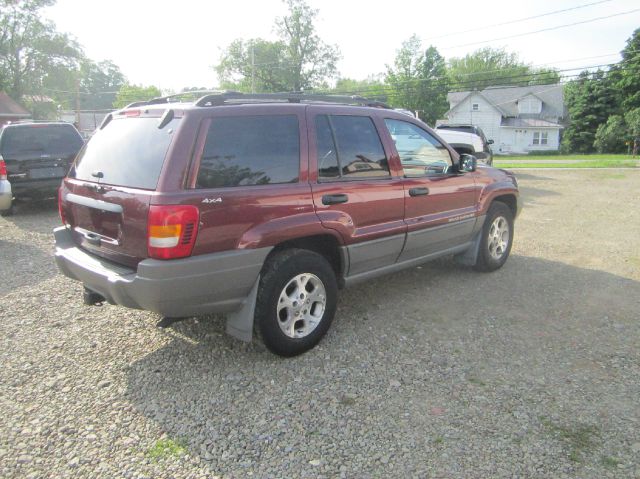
3,169
172,231
60,207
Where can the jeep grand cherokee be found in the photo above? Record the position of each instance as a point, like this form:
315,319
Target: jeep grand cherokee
263,206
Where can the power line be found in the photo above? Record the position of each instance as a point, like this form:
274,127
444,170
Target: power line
528,77
519,20
544,29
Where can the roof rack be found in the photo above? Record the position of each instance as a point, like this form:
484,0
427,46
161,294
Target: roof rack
217,98
167,99
27,121
221,98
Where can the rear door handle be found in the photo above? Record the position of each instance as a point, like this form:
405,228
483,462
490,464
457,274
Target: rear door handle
334,199
418,191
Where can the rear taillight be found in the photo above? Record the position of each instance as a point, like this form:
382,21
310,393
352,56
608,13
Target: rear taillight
172,231
3,169
63,218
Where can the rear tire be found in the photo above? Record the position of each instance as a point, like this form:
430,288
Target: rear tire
497,238
296,301
8,212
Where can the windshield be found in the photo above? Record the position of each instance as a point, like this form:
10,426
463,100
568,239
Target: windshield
127,152
61,140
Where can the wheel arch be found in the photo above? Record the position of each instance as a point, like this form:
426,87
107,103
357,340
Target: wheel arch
326,245
510,200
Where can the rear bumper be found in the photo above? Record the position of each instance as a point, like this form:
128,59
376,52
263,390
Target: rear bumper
5,195
212,283
36,188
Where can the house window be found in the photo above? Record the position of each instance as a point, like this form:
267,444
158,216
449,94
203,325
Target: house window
475,107
529,105
540,138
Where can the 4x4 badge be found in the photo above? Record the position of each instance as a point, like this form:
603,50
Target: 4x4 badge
212,200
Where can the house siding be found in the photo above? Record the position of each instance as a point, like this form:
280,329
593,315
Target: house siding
487,117
520,140
510,127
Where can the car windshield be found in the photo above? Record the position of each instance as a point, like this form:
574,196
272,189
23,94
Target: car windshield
43,139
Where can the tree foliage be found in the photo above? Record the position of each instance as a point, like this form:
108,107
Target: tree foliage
30,47
494,67
611,137
590,101
298,60
418,81
99,83
626,74
373,88
131,93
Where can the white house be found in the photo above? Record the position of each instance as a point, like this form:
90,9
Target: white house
517,119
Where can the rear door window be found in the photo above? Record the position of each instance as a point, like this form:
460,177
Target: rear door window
349,148
62,140
250,150
126,152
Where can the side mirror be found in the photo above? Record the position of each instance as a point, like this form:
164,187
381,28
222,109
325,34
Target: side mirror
467,163
489,142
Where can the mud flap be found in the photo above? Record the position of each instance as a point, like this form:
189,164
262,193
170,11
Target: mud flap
470,256
240,323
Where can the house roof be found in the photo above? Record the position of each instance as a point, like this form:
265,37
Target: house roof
9,108
528,123
506,98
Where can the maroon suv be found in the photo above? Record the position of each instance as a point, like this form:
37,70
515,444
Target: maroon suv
262,206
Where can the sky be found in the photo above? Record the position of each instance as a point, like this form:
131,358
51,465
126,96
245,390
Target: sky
176,44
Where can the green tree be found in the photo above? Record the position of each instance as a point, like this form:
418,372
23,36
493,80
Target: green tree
99,83
132,93
626,74
632,119
373,88
493,67
417,80
299,60
30,47
611,137
590,100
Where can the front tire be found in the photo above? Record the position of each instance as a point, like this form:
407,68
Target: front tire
497,238
296,301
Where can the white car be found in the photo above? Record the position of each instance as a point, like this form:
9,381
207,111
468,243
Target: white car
467,139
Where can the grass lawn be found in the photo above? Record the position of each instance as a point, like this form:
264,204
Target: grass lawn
566,161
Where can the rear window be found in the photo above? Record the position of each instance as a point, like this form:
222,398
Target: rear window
128,152
62,140
250,150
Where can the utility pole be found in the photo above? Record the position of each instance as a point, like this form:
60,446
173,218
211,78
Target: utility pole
78,100
253,69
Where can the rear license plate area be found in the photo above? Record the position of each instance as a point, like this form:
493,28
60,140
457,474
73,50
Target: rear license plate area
40,173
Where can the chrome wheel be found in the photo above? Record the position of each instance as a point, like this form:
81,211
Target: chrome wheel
301,305
498,240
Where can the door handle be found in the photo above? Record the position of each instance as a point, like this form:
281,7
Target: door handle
418,191
334,199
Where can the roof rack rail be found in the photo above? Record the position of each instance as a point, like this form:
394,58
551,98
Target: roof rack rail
27,120
220,98
167,99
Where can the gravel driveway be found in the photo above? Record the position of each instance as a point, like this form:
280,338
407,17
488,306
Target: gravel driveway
532,371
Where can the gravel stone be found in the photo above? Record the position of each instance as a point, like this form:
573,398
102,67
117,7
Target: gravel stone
531,371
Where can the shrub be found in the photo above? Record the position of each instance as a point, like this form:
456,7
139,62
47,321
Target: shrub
611,136
544,153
